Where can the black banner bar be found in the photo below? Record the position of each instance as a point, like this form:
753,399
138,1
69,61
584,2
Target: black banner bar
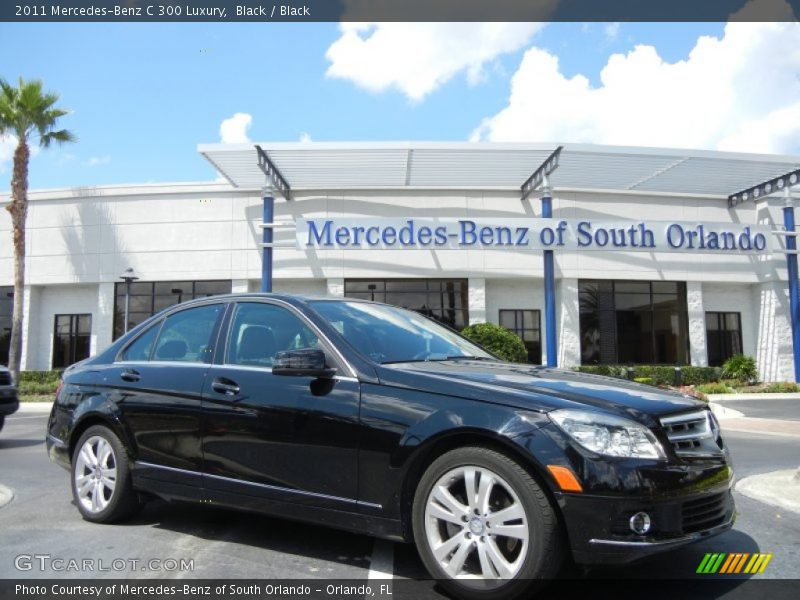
151,11
730,587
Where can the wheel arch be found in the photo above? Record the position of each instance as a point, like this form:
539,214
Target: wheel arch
96,418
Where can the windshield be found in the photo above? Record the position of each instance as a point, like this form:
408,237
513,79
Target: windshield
388,334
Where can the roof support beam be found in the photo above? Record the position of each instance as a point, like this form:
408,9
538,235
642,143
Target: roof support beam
274,176
544,170
766,188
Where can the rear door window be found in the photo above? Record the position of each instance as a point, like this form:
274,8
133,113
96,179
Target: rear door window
187,336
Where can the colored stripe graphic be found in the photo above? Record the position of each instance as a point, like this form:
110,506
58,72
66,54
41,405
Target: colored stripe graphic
724,563
727,564
711,563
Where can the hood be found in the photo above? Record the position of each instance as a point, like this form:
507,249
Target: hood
536,388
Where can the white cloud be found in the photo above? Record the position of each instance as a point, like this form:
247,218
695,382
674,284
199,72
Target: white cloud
234,129
8,143
305,137
96,161
738,92
417,58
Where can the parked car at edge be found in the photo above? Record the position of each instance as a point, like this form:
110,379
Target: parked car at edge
378,420
9,401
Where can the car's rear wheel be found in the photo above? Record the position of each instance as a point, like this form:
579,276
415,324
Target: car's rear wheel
483,526
101,481
2,422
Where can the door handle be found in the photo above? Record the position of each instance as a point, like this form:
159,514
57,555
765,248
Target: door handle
130,375
225,386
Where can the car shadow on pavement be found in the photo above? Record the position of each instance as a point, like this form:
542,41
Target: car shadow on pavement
248,531
14,443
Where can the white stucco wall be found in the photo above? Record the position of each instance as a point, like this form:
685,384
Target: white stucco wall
60,300
80,240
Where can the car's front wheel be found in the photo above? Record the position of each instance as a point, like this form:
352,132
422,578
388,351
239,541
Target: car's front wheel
101,482
483,526
2,422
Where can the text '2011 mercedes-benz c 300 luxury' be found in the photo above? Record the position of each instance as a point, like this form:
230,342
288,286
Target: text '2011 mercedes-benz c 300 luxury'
378,420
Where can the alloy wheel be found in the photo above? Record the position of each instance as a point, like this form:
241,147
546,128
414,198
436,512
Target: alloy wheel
95,474
476,525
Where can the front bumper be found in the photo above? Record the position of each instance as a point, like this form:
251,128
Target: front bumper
599,532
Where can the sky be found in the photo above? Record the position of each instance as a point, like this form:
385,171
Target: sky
142,96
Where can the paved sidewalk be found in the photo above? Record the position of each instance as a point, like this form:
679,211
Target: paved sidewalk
734,397
779,488
761,426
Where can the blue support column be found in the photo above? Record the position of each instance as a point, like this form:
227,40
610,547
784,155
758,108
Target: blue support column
266,238
549,288
794,301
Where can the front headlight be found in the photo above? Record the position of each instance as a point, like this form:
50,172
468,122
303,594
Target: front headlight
607,434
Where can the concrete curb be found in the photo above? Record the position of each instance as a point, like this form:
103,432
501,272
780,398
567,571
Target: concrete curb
6,495
34,407
723,412
779,488
719,397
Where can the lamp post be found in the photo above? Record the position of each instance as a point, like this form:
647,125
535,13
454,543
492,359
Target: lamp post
128,277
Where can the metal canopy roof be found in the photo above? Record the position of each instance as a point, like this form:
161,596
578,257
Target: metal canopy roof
465,165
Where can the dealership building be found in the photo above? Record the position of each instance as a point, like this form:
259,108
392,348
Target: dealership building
655,260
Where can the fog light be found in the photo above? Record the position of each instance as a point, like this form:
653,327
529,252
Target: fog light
640,523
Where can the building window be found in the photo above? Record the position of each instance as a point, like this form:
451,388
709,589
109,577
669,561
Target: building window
149,297
442,299
527,325
723,336
71,339
633,322
6,310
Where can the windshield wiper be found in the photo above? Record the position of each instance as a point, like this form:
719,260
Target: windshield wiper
466,357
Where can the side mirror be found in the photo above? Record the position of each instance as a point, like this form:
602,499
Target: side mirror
306,362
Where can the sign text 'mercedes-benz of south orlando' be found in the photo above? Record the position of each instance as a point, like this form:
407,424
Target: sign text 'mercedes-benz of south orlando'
531,234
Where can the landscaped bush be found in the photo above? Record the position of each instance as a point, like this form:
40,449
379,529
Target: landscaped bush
39,376
782,387
497,340
741,368
26,388
698,375
618,371
658,374
714,388
38,382
644,380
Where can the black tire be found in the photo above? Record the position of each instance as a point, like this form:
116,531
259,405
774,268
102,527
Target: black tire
2,422
123,501
545,540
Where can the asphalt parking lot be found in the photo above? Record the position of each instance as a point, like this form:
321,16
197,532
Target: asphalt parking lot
221,544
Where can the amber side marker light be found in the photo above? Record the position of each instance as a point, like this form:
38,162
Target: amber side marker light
565,478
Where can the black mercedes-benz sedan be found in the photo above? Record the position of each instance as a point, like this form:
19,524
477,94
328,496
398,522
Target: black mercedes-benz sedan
378,420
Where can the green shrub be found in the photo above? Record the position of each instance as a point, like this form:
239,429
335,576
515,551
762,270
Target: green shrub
39,377
714,388
782,387
644,380
34,387
740,367
617,371
659,374
698,375
498,340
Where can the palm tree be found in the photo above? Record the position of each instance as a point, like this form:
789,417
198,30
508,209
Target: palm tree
27,113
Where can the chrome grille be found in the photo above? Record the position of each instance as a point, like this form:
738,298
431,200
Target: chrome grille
693,434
